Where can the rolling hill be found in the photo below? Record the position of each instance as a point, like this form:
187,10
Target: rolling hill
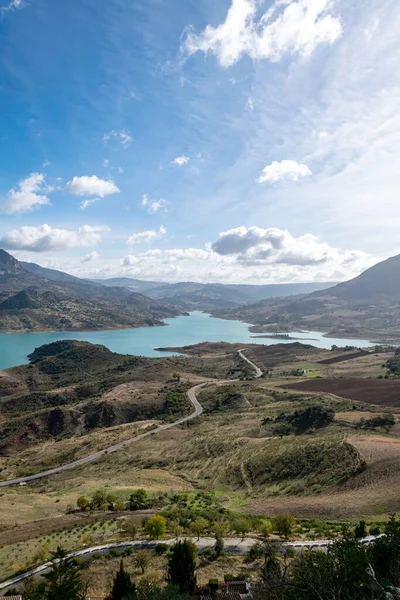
367,306
212,296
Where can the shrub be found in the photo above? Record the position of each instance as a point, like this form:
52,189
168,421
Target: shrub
284,524
161,549
213,585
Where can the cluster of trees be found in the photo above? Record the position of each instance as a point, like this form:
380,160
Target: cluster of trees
347,570
315,416
105,500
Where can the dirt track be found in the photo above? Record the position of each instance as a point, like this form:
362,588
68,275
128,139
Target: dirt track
383,392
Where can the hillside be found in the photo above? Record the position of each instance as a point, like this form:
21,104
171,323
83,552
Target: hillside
212,296
367,306
33,298
72,388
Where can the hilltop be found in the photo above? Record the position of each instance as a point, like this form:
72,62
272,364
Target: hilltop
191,295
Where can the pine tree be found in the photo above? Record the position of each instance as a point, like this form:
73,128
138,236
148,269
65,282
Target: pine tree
182,566
123,586
64,578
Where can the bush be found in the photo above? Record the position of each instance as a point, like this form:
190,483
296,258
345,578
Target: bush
254,553
284,524
312,417
161,549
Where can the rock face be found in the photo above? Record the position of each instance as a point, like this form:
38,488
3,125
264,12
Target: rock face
9,265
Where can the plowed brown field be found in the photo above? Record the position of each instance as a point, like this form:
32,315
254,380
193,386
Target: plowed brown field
384,392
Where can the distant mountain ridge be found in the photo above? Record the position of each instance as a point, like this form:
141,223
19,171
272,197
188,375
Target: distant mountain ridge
213,296
367,306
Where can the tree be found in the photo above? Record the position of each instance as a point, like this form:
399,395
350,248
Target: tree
199,526
360,530
123,586
284,524
339,573
265,528
156,527
129,528
83,503
219,546
64,580
42,553
150,590
182,566
142,560
138,499
242,526
176,528
99,499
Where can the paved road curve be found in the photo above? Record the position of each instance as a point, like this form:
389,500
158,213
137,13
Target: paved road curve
234,545
198,409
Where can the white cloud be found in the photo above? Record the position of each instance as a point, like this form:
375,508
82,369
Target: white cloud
90,257
290,27
181,160
146,236
46,163
13,5
256,246
26,197
278,258
85,203
154,206
120,170
45,238
91,186
286,169
123,136
106,162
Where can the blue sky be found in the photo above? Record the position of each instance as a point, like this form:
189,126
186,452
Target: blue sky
236,141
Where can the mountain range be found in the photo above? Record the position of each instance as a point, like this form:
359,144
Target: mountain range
34,298
212,296
367,306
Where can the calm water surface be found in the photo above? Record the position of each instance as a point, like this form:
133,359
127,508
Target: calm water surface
182,331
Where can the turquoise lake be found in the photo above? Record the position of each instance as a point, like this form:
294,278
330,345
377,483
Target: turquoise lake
182,331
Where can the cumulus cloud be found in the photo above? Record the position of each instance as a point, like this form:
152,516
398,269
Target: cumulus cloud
146,236
288,27
286,169
91,186
91,256
30,193
255,246
45,238
179,161
123,136
153,206
287,264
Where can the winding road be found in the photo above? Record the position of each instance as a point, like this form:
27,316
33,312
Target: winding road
198,409
234,545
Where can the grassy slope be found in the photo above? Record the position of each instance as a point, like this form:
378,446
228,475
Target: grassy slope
228,449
